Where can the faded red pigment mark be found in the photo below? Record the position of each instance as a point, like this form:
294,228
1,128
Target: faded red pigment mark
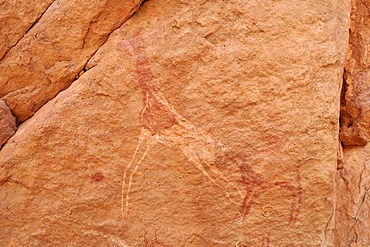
155,242
97,177
156,114
256,185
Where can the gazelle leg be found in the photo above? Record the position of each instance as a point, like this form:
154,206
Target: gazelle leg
141,151
250,195
296,195
215,179
220,174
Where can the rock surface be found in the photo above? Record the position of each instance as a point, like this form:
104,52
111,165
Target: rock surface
353,178
198,123
353,204
7,123
16,17
48,58
355,112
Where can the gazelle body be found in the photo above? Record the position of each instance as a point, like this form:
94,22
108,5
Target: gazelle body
161,123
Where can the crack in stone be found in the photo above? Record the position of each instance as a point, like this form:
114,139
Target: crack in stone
362,1
92,22
327,225
28,30
362,202
356,216
10,179
361,177
84,68
350,230
344,178
356,219
1,146
359,188
134,10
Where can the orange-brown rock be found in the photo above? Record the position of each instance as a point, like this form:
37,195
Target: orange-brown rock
7,123
355,112
49,56
353,179
353,204
16,18
198,123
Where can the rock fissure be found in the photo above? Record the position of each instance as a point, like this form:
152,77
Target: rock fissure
29,29
352,226
84,68
10,179
355,108
61,59
326,229
7,123
362,1
361,177
361,203
92,22
149,122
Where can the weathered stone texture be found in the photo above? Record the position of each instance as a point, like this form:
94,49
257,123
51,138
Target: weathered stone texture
355,112
16,18
198,123
353,179
353,204
56,49
7,123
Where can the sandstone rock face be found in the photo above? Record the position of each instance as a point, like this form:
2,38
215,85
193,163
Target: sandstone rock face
355,112
16,17
7,123
353,204
198,123
353,178
56,49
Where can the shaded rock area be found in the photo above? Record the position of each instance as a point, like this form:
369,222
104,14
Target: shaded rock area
353,177
179,123
355,110
7,123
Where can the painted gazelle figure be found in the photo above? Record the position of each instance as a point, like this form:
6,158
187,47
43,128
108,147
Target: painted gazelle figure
256,185
161,123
